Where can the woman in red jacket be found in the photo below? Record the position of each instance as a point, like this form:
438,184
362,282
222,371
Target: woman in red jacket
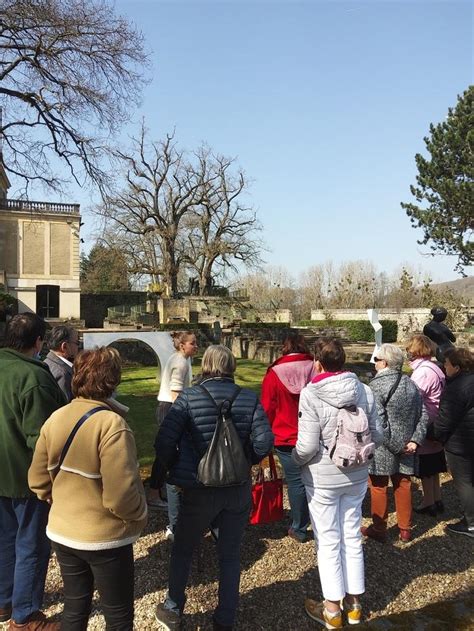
281,388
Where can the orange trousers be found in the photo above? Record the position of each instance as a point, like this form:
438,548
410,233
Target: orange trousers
379,500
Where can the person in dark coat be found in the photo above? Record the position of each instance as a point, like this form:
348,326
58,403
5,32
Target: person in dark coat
454,427
181,442
439,332
64,346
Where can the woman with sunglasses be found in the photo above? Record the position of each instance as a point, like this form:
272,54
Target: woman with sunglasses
400,406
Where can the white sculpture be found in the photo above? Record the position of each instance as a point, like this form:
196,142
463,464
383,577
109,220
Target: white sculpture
160,341
373,316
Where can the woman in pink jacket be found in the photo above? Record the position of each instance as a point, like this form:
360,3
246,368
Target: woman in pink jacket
430,380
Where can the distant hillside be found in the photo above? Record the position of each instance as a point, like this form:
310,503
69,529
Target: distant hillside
462,286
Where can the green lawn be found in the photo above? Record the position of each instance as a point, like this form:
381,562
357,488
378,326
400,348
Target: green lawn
140,386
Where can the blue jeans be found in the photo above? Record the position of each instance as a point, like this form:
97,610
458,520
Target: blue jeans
24,555
174,501
228,508
296,493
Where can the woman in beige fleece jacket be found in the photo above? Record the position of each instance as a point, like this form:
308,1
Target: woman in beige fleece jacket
98,506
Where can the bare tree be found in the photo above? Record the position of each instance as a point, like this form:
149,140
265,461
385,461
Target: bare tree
353,286
146,214
271,288
176,211
70,70
222,230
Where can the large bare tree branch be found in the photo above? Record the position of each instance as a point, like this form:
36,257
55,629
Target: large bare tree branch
68,68
177,212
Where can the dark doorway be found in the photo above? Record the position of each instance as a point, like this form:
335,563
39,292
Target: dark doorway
47,301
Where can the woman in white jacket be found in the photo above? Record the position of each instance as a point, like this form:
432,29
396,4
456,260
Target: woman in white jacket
334,493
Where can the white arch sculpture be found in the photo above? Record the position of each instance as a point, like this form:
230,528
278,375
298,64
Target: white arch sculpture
160,341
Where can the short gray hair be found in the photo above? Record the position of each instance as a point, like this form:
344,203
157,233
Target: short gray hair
58,335
218,361
392,354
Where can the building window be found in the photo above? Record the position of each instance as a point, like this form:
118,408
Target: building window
47,301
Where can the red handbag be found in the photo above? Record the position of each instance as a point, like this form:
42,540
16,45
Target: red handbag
267,496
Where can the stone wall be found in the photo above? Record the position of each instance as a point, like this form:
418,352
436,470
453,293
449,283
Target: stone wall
409,320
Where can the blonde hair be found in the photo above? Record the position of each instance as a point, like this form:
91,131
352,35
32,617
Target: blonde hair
180,337
420,346
218,361
96,373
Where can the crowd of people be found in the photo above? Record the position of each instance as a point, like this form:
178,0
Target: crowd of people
69,476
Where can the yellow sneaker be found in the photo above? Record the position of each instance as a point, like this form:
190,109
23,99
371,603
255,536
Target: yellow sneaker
318,612
353,612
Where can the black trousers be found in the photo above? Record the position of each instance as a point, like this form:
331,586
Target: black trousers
462,470
112,573
161,410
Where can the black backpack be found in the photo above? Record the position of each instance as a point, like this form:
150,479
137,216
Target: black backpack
224,462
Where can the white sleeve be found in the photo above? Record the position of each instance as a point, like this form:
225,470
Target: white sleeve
309,431
179,375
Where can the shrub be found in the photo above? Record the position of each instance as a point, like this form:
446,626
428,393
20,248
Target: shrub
357,330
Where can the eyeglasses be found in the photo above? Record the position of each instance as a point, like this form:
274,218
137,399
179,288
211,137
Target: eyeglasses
377,359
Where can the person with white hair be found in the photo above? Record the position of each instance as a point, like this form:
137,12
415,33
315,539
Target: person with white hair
404,419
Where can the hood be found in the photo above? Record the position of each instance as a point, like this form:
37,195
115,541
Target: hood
341,390
294,371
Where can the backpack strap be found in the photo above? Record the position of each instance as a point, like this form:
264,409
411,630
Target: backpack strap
74,431
220,408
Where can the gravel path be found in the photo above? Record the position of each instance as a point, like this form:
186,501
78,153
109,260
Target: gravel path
278,573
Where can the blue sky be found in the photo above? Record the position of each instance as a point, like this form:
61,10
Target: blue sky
324,104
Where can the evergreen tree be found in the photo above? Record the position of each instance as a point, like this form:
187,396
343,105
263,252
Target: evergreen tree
104,269
444,189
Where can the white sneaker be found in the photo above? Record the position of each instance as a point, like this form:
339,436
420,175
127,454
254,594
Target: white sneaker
169,534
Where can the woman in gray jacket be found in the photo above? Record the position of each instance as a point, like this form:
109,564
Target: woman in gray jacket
405,421
334,493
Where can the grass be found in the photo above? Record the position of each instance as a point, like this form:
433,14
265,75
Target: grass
139,389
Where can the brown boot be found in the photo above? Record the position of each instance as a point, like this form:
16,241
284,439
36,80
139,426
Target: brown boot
36,622
369,531
5,613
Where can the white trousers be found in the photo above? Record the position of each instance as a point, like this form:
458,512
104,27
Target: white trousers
336,516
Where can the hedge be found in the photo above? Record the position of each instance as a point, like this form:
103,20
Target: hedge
357,330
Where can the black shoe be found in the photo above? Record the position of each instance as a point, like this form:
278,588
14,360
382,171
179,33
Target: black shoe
5,613
426,510
217,626
460,528
439,506
168,619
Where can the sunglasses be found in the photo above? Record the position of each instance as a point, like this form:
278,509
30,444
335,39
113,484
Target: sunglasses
377,359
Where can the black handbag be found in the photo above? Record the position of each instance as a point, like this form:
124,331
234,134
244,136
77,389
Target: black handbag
224,462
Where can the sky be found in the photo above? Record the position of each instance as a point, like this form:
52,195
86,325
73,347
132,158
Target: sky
323,104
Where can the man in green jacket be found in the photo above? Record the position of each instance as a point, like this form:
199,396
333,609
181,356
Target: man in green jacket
28,396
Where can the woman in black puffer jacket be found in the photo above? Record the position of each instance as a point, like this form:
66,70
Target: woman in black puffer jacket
182,440
455,429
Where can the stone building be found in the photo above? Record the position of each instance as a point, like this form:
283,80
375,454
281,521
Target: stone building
39,254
